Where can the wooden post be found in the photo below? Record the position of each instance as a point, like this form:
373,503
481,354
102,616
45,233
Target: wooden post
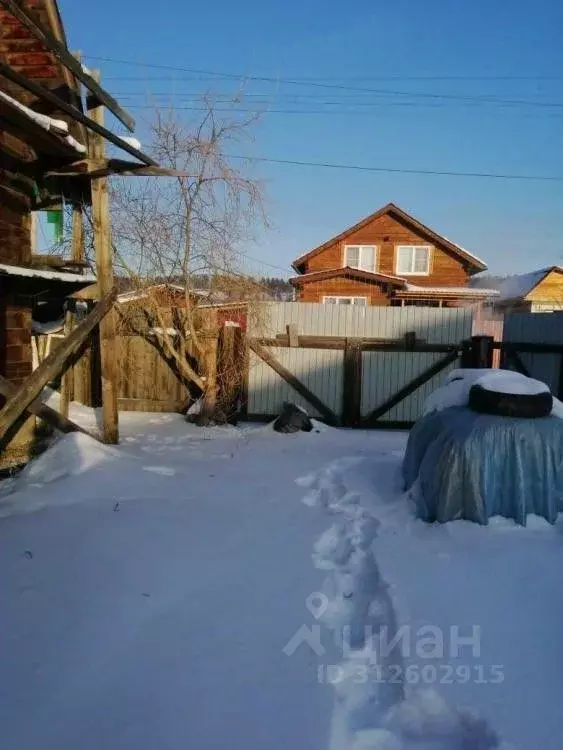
482,347
466,359
292,335
352,383
104,271
68,375
210,337
77,234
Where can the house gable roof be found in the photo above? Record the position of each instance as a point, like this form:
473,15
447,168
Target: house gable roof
519,287
355,273
472,260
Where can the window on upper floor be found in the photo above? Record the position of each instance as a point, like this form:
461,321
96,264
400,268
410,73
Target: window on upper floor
363,257
412,260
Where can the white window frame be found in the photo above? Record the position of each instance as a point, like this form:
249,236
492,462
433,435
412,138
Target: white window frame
344,296
413,248
375,256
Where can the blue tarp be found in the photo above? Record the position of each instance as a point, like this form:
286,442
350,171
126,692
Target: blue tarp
475,466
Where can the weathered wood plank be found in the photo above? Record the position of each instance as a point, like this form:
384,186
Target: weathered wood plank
49,369
294,382
44,412
292,335
67,380
104,272
409,388
352,385
65,57
48,96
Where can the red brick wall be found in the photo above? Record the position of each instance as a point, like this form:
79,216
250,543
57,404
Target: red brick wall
15,238
17,343
314,291
446,269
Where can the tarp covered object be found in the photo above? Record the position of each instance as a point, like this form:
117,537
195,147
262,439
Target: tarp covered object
461,464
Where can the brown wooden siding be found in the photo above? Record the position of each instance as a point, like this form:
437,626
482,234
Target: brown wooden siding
386,232
314,291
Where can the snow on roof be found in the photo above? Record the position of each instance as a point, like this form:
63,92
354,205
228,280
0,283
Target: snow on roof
59,127
86,278
463,250
136,294
131,141
461,290
517,287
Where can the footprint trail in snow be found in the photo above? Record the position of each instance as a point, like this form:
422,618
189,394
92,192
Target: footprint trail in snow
374,709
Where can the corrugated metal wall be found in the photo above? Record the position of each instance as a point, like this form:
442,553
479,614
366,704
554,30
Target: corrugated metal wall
384,373
541,328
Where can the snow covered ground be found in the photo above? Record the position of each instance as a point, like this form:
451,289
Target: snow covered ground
207,588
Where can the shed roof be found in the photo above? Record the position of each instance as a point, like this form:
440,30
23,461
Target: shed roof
518,287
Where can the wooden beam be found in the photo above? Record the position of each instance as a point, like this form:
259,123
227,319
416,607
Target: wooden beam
352,384
68,375
294,382
513,356
13,146
108,167
41,410
51,366
409,388
76,114
22,125
366,344
91,292
104,273
34,25
77,254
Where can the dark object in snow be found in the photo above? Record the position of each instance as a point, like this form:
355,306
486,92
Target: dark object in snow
293,419
522,405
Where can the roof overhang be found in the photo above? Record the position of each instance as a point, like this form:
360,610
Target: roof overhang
472,261
355,273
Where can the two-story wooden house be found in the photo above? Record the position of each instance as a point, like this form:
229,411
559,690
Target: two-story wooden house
389,258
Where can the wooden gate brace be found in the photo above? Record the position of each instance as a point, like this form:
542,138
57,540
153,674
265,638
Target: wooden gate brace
294,382
396,398
51,366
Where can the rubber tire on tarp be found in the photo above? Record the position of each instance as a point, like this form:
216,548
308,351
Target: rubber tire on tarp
292,419
523,405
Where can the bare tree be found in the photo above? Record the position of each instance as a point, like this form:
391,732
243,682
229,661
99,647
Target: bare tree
180,231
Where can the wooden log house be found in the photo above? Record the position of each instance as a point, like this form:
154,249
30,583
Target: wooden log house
52,153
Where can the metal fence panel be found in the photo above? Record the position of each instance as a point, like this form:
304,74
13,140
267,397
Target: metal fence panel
545,328
433,324
319,369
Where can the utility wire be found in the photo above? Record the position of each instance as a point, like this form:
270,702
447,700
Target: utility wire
360,168
295,81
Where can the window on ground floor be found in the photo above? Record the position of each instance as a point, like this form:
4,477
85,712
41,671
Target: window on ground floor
415,303
363,257
413,260
337,300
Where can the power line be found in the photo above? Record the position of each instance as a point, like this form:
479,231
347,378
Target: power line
295,81
324,112
357,167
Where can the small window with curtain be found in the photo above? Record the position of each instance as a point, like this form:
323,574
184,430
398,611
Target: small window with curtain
413,260
363,257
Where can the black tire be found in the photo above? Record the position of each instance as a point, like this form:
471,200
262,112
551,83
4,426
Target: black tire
525,406
292,419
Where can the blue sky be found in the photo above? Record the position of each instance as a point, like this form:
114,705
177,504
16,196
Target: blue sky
504,51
